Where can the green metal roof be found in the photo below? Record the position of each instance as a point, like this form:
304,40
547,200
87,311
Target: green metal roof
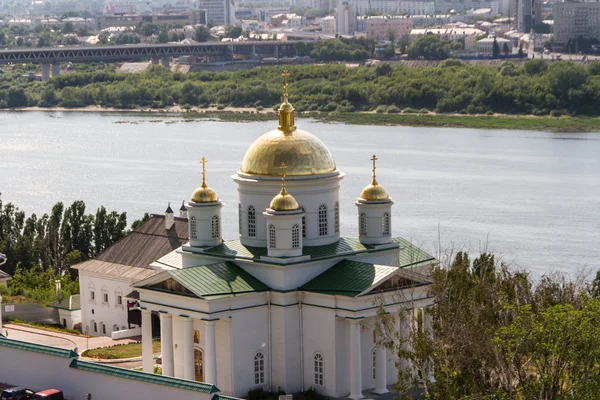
344,246
348,278
144,377
38,348
410,255
71,303
217,280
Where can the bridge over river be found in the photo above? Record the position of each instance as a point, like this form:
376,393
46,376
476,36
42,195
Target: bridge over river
52,57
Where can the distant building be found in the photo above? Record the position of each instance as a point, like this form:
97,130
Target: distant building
573,19
486,45
416,7
218,12
379,27
190,17
346,19
412,7
328,24
525,15
468,35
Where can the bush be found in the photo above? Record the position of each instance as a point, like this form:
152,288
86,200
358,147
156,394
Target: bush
310,394
451,62
393,110
220,106
260,108
409,110
380,109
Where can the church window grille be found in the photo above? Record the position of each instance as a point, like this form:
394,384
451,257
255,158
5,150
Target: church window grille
319,369
295,236
240,218
251,221
362,224
386,223
215,227
373,362
272,237
323,220
193,233
259,368
337,217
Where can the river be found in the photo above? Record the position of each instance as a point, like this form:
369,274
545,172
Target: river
531,197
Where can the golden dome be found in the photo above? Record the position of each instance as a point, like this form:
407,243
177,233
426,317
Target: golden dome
303,153
283,201
204,194
374,191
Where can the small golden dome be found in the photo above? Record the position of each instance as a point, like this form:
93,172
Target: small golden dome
204,194
283,201
374,191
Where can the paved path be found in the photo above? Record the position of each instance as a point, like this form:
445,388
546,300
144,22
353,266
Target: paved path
58,339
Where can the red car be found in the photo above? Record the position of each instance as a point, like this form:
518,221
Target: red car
48,394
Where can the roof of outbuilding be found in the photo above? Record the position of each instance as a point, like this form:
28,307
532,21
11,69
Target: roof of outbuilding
212,281
4,276
71,303
144,377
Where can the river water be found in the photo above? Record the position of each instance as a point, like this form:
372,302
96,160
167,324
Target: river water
532,197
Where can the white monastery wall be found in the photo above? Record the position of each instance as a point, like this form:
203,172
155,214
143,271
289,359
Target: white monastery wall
71,318
54,372
97,310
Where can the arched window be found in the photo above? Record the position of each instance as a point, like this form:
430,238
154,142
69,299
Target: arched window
322,220
319,369
362,224
337,217
215,227
240,218
386,223
104,291
272,237
193,233
251,221
94,326
373,362
92,290
115,327
259,368
295,236
103,328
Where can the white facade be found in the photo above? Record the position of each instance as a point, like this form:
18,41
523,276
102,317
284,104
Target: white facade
574,19
345,19
486,45
328,24
281,306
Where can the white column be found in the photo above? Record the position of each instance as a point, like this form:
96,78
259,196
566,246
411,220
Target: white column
147,356
355,363
166,343
210,353
380,370
189,371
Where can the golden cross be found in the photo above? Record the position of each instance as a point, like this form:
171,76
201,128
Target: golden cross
203,161
374,159
283,169
285,75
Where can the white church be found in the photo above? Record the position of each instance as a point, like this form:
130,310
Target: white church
290,303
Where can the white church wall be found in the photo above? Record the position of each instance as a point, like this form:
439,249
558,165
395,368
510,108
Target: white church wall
177,322
69,318
249,335
342,353
319,337
384,257
282,277
110,314
367,344
54,372
224,355
285,342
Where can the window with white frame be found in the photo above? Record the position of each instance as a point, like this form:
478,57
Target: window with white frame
118,297
337,217
259,368
92,290
322,220
193,233
362,224
251,221
386,223
215,227
295,236
319,369
94,325
272,237
104,295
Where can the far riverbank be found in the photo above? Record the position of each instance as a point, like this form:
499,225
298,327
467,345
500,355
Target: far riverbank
232,114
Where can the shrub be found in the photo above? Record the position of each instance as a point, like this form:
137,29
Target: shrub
380,109
310,394
220,106
393,110
409,110
260,108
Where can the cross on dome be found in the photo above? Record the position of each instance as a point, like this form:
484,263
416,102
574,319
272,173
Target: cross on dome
204,194
283,169
285,75
204,161
374,159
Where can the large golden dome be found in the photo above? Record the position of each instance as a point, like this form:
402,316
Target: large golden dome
303,153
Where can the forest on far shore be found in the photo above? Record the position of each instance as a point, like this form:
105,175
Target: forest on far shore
534,88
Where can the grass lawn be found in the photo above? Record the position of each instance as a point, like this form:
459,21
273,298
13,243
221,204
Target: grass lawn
120,351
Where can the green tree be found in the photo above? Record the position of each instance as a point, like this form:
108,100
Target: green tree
495,49
202,33
16,97
390,35
505,49
535,66
430,47
232,31
163,36
44,40
68,28
521,53
403,43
